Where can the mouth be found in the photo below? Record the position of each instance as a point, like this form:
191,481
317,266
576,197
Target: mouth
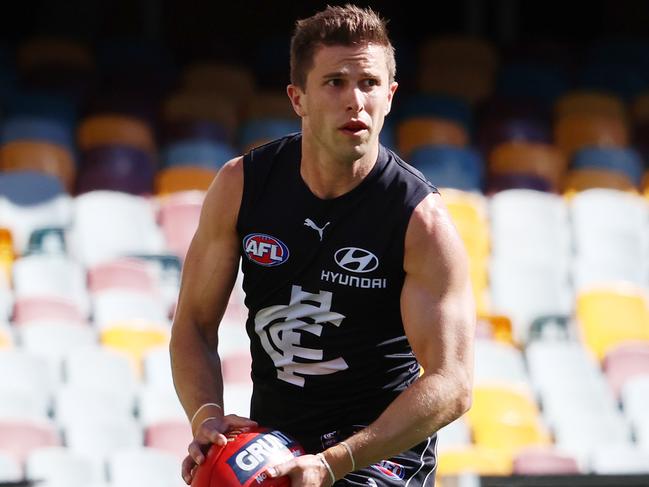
354,127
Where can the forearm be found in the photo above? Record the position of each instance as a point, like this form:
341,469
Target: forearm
196,370
430,403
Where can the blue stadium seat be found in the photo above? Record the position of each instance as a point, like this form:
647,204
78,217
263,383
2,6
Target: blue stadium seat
450,167
116,168
37,128
258,131
440,106
42,104
201,153
624,160
545,83
29,187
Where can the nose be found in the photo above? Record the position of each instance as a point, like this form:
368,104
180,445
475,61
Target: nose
355,102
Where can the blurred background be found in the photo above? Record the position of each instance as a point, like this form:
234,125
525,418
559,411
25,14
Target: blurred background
532,118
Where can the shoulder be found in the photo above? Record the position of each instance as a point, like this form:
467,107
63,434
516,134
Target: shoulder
432,240
223,197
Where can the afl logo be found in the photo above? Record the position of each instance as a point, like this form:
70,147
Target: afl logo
354,259
265,250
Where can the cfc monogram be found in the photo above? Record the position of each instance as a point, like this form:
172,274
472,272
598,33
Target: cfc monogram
280,329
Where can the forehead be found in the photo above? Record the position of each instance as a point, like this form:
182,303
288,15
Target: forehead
348,59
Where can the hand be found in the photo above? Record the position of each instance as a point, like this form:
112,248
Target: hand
211,432
304,471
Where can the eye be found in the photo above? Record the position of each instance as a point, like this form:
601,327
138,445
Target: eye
371,82
334,82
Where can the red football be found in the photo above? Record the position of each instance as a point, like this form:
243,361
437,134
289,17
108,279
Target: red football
244,460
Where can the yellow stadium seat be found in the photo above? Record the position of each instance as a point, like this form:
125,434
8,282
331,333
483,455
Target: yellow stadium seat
135,338
6,340
269,104
46,52
469,214
573,132
183,178
585,102
513,435
416,132
474,459
609,316
39,156
640,108
542,160
502,404
7,255
215,77
98,130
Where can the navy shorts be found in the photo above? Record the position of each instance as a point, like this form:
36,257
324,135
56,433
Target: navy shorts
413,468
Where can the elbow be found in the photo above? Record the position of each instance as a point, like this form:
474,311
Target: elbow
463,398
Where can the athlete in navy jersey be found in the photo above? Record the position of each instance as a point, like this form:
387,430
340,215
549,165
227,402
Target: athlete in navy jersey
355,280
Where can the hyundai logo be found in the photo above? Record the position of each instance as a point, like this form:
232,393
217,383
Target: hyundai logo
354,259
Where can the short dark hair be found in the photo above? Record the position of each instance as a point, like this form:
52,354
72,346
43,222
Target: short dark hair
347,26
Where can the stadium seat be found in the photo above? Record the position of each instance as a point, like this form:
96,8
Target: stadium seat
24,128
195,130
58,466
10,469
590,102
107,129
269,104
531,79
532,226
55,276
52,340
419,104
124,273
159,404
73,402
18,438
29,375
198,153
415,132
499,363
457,65
625,362
179,218
610,316
541,160
254,132
619,460
37,308
236,398
6,294
634,396
109,224
474,459
23,220
169,436
50,51
577,180
6,334
97,439
157,368
103,369
610,236
529,130
236,366
545,461
29,188
574,132
215,77
627,162
122,305
183,178
186,106
116,168
42,103
450,167
134,338
453,435
506,181
142,466
39,156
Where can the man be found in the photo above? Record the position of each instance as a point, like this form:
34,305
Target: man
355,280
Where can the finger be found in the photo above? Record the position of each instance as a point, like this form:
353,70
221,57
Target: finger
281,469
188,466
196,452
211,432
239,422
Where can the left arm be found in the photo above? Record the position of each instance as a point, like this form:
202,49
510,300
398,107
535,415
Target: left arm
439,320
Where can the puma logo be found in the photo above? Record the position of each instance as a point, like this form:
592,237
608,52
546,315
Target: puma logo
309,223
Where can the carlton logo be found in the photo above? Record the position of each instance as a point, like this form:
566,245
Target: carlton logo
265,250
354,259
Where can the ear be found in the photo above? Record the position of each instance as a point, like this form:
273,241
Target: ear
393,88
296,95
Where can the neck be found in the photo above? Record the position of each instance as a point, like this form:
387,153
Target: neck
328,178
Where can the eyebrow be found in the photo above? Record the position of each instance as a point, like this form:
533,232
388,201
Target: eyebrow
340,74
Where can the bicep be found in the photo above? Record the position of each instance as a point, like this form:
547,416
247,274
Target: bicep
437,300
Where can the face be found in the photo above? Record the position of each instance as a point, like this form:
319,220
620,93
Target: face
346,98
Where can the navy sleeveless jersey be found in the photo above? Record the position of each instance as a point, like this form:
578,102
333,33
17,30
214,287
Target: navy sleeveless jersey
323,280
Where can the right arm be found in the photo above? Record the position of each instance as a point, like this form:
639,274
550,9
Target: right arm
209,272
